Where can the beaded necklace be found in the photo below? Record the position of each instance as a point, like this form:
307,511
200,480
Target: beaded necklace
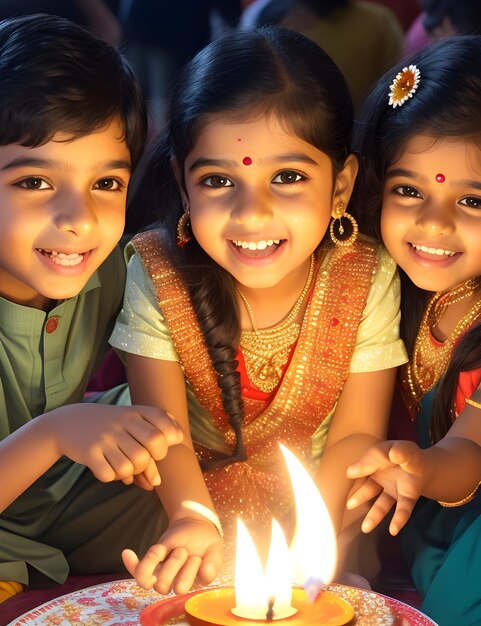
266,350
430,359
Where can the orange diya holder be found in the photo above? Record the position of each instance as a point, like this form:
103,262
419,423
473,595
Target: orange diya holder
213,607
268,596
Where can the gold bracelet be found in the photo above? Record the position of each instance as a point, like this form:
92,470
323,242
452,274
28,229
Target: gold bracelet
473,403
463,501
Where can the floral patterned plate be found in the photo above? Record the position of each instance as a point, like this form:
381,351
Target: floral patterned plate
121,603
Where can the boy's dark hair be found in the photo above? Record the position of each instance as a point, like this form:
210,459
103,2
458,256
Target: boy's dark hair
55,76
447,103
242,76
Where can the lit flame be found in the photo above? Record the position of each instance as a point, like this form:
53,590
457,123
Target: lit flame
254,589
313,547
310,560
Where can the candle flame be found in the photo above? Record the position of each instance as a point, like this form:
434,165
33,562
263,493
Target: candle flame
258,593
278,573
314,547
310,560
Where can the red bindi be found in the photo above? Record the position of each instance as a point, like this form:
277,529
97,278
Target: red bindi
247,161
440,178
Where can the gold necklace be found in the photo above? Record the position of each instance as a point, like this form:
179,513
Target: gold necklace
430,360
266,350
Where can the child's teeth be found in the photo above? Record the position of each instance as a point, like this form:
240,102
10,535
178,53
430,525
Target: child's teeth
60,258
256,245
436,251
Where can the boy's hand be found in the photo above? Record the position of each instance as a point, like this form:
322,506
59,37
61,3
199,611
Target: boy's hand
115,442
394,472
189,549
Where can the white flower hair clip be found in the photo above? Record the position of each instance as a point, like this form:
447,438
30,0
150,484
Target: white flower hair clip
404,85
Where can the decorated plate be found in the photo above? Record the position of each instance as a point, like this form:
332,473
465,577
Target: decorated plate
122,602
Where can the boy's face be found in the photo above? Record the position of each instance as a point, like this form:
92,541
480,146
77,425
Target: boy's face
62,210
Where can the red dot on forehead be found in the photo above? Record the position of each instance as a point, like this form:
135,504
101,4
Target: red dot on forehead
440,178
247,161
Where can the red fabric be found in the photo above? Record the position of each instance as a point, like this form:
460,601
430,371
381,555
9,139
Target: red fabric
468,382
248,391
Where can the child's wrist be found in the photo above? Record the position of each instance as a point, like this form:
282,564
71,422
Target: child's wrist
465,500
42,429
203,513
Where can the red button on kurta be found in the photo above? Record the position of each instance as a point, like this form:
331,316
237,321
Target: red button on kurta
51,325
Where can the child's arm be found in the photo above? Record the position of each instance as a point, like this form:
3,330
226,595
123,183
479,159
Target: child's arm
114,442
449,472
192,545
360,421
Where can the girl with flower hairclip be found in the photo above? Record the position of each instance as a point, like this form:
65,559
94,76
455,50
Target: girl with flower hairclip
257,314
420,141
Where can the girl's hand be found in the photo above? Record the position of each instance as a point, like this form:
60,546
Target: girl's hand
394,472
189,549
115,442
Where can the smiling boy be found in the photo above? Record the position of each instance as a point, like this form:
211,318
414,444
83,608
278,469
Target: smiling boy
72,127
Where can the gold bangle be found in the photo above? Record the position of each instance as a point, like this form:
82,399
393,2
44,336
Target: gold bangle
463,501
473,403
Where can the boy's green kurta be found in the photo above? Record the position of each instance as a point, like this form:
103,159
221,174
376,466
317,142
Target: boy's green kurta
46,360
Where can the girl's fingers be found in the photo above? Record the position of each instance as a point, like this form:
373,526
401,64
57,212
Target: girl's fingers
366,492
130,560
377,512
408,456
168,570
361,469
187,575
211,564
401,515
147,568
375,459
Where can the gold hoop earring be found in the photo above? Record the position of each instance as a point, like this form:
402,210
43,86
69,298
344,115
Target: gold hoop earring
184,232
337,229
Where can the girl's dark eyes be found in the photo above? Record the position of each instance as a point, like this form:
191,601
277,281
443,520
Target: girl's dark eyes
108,184
287,177
33,183
472,202
407,191
217,181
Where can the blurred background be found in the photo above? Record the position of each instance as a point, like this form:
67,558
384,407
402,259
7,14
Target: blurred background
363,37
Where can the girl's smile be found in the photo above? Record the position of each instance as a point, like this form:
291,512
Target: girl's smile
256,251
432,230
260,218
